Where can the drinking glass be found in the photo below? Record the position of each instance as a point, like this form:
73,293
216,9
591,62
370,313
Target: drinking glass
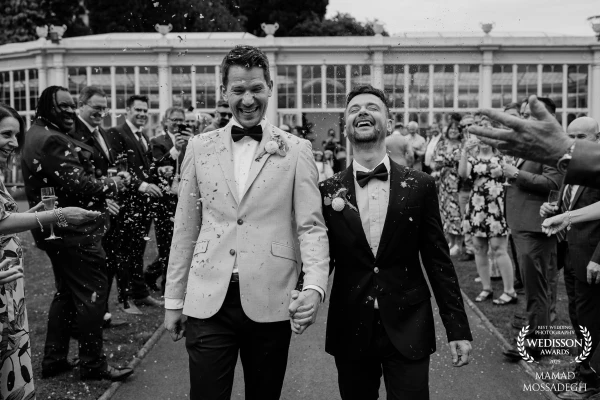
49,200
553,198
510,160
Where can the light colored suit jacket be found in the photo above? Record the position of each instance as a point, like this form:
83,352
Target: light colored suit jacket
280,207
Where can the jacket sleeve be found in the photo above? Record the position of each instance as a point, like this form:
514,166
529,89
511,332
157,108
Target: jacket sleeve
188,221
584,168
440,271
310,225
63,169
549,179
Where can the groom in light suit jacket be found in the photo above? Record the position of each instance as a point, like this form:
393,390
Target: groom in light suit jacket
248,194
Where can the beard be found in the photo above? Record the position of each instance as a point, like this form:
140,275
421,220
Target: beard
368,141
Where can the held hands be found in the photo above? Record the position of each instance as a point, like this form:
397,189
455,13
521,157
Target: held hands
547,210
175,324
10,270
153,190
113,207
79,216
460,350
303,309
555,224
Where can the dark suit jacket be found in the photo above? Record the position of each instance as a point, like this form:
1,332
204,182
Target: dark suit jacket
83,134
53,158
161,146
526,195
138,161
412,227
583,238
584,168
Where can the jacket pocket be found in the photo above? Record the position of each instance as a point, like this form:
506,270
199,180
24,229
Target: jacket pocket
283,251
201,247
417,295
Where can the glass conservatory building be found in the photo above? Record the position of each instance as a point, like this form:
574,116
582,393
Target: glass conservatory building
426,75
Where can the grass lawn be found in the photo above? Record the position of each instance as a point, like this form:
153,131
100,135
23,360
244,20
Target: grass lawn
120,344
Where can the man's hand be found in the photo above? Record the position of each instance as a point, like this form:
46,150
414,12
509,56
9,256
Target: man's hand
126,176
460,349
554,224
540,139
303,309
175,324
117,181
182,138
509,170
165,171
153,190
113,207
593,273
547,210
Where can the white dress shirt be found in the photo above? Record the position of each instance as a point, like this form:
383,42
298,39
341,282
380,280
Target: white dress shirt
431,149
372,201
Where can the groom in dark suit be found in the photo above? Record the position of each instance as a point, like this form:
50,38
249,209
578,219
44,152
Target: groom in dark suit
381,217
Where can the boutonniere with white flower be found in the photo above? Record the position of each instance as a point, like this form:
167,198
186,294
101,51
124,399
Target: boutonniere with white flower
276,145
339,200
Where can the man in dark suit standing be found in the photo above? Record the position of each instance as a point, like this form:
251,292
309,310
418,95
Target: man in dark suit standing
579,251
53,158
93,105
135,215
381,217
167,154
531,182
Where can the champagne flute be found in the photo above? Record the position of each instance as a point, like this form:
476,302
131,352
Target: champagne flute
508,160
49,200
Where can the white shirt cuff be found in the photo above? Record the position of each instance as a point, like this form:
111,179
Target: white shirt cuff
174,153
173,304
143,187
318,289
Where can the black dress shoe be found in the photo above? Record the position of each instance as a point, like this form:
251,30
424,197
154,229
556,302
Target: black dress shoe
59,368
110,373
151,282
114,323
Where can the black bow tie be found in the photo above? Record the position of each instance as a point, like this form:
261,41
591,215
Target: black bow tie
238,133
380,173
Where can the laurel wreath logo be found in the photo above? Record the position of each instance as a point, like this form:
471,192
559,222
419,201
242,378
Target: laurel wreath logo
521,345
587,347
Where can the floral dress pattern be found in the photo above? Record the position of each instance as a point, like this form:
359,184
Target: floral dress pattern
16,375
485,209
448,185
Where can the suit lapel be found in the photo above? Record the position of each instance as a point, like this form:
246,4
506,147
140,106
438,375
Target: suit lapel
561,192
580,190
352,217
111,158
399,193
257,166
520,162
225,156
138,146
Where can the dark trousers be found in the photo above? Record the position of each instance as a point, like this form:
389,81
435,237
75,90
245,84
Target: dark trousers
564,262
163,227
111,243
513,253
80,300
536,253
136,223
213,345
405,379
587,298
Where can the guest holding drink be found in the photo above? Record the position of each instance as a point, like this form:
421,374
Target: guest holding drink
446,157
484,217
51,157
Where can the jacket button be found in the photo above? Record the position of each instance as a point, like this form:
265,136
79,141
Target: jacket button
232,252
240,221
376,270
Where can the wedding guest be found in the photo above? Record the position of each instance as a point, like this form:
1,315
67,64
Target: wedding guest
93,106
399,149
380,319
167,155
325,171
222,117
192,121
513,109
233,278
339,162
135,216
418,144
434,139
331,141
53,158
531,182
446,157
484,219
465,186
328,158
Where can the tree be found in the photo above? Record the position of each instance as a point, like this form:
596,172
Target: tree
340,25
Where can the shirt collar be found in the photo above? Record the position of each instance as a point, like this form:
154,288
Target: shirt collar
357,167
133,128
91,128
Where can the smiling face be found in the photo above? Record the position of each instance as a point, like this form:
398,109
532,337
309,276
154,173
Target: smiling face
367,122
9,129
94,110
63,112
247,93
137,114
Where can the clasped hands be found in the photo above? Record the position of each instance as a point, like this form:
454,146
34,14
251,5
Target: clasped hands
303,309
553,222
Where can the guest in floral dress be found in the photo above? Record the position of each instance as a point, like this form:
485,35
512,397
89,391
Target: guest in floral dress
484,218
446,157
16,380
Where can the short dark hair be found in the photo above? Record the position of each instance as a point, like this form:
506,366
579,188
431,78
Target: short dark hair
222,103
246,57
7,111
457,123
137,97
513,106
46,101
90,91
368,89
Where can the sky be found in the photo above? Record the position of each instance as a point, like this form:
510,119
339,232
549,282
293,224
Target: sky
550,16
